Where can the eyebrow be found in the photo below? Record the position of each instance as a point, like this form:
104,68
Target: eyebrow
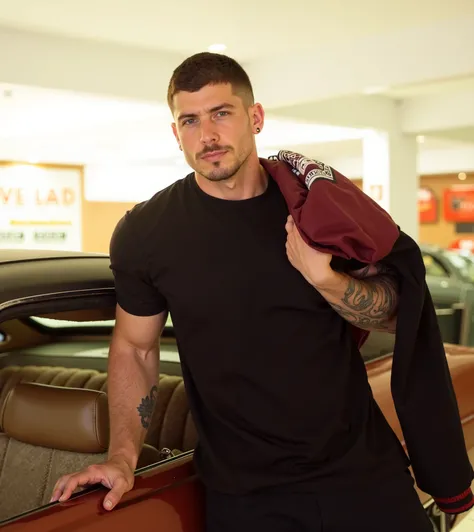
212,110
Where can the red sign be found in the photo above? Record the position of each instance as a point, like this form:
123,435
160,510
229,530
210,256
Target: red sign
427,206
459,203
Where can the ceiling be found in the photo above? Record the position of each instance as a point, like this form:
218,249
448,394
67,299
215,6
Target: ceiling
49,125
441,86
186,26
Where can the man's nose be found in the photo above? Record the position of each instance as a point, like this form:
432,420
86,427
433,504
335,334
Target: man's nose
208,132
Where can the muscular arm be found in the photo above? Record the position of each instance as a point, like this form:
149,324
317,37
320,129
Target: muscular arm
367,298
132,382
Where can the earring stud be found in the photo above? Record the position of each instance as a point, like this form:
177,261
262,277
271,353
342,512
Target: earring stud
258,130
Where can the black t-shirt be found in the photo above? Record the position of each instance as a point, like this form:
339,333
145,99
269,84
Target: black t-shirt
276,385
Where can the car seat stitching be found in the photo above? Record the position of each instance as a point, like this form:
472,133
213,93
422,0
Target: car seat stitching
47,474
96,423
165,418
4,457
166,415
2,413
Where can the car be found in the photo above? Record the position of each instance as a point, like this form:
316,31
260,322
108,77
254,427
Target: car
467,265
449,276
57,313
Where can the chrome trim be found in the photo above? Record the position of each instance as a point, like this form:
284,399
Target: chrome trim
444,312
466,324
61,295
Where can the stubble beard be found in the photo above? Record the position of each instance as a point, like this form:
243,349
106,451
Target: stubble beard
221,174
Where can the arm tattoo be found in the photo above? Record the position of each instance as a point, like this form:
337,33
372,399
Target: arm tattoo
370,301
147,407
369,304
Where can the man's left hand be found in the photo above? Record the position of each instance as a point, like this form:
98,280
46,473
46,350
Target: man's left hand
313,265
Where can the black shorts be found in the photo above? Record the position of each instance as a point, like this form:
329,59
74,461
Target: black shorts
392,506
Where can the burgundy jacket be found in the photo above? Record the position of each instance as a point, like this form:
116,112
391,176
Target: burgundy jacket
334,216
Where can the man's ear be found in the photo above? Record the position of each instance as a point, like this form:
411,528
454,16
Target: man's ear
257,117
175,130
176,136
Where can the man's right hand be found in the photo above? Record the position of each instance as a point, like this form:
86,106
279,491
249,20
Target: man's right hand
115,474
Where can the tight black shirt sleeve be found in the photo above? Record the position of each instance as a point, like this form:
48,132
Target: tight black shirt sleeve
135,291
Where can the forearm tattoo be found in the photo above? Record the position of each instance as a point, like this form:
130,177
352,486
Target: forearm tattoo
370,300
147,406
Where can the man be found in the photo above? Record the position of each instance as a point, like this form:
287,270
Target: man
290,438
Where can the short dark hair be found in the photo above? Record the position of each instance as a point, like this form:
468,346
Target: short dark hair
208,68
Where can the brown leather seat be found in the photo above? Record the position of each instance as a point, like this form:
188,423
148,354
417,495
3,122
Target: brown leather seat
49,431
172,425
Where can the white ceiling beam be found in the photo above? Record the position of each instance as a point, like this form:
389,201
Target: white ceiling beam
427,114
438,112
361,112
57,62
418,55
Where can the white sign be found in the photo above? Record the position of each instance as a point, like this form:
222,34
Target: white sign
40,208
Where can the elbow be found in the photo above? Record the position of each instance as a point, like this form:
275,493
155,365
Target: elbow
392,326
392,315
146,356
126,353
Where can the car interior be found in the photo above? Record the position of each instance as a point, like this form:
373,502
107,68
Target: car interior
53,403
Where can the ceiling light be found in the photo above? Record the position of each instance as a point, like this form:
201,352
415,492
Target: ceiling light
217,47
376,89
462,176
420,139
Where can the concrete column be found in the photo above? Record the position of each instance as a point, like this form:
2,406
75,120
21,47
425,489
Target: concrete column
390,176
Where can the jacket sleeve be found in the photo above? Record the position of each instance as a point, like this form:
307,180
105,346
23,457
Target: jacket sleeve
423,392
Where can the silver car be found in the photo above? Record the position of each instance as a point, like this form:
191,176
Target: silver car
449,275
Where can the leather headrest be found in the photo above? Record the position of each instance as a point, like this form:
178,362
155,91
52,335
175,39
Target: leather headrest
69,419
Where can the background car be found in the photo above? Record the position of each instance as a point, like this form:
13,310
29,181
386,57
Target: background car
448,275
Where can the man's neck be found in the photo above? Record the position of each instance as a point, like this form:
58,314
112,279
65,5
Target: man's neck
246,184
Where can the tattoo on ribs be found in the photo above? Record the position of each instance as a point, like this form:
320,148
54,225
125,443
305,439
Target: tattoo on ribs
147,406
369,304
